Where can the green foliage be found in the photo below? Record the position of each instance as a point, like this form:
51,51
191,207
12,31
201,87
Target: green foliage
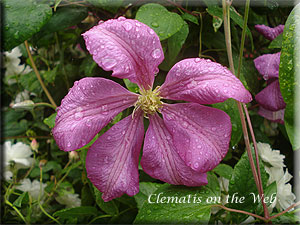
230,107
223,170
50,121
289,74
277,42
181,204
15,21
164,23
77,212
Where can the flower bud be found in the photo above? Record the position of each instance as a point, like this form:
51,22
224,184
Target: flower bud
42,162
34,145
25,105
73,155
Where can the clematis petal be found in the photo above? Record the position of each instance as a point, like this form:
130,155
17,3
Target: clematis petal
127,47
201,134
161,161
202,81
112,161
268,65
275,116
270,97
89,106
269,32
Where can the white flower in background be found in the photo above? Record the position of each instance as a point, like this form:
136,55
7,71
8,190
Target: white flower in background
273,157
33,188
22,96
224,183
12,64
69,200
285,196
18,154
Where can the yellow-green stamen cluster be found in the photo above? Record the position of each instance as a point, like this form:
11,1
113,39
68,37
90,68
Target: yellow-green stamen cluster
149,101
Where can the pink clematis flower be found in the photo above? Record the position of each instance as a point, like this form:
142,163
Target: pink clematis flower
179,147
270,99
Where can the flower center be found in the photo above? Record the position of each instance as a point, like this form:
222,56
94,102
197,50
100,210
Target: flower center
149,101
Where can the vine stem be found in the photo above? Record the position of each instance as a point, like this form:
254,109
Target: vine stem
39,76
256,175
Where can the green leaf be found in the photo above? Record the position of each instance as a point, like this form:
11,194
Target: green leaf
157,17
77,212
217,11
277,42
107,207
49,76
15,128
289,75
223,170
109,5
87,198
217,23
230,107
131,86
87,66
175,44
191,18
242,186
269,196
50,121
180,204
22,19
22,199
63,18
30,82
146,189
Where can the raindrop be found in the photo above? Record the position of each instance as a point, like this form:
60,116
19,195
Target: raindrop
197,60
109,63
88,122
156,53
151,31
196,165
78,116
127,26
69,144
213,129
109,137
154,24
121,18
138,24
185,124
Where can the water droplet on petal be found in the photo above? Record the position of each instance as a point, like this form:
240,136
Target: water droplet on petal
108,63
156,53
213,129
196,165
121,18
78,116
185,124
88,122
197,60
127,26
69,144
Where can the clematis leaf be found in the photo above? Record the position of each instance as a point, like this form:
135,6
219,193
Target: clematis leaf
77,212
146,189
175,44
185,204
109,5
277,42
230,107
157,17
289,75
18,27
217,11
242,184
107,207
191,18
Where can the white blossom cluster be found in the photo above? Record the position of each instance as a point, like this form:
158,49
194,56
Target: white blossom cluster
275,168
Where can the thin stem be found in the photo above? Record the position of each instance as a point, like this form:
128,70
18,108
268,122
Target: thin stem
17,211
200,35
289,208
241,211
39,198
39,76
44,104
257,177
99,217
243,36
